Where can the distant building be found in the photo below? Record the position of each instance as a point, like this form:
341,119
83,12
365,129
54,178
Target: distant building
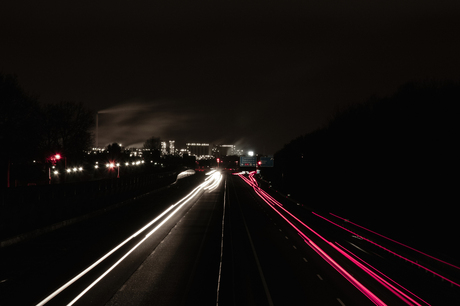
227,150
205,150
172,148
200,150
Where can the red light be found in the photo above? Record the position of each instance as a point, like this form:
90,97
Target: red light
218,160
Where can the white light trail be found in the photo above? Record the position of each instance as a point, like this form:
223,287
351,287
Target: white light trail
212,181
126,255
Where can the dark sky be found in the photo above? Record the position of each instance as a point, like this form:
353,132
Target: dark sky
252,73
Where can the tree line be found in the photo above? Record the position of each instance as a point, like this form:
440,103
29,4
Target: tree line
402,146
31,130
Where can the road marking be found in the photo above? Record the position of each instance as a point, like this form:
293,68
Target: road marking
294,247
221,245
357,247
319,276
286,237
261,273
304,259
340,301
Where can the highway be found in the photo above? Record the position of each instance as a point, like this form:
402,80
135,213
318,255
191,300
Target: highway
220,239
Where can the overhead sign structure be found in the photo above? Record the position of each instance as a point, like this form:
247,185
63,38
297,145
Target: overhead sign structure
248,161
267,161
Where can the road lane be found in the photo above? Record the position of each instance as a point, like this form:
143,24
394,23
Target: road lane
183,269
261,259
289,270
414,285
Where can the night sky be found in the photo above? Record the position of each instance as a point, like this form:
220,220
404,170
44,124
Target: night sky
252,73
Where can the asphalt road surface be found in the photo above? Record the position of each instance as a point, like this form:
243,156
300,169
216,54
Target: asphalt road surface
213,242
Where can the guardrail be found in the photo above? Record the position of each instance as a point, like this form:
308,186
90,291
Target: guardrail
29,207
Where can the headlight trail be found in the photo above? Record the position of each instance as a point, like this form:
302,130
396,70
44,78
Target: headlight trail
126,255
213,180
432,257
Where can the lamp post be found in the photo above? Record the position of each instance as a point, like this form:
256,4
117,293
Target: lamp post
53,159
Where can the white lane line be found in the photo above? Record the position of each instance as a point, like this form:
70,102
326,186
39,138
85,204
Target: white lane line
286,237
340,301
259,267
304,259
357,247
294,247
319,276
221,245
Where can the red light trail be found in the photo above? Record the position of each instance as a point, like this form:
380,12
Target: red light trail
402,293
445,262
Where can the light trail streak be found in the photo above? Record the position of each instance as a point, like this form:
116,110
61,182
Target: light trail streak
126,255
211,180
390,251
272,202
216,178
445,262
362,263
344,272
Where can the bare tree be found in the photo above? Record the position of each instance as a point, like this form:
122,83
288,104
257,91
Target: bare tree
68,126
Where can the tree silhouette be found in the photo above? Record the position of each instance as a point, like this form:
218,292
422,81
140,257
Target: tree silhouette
67,127
404,143
114,151
20,121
